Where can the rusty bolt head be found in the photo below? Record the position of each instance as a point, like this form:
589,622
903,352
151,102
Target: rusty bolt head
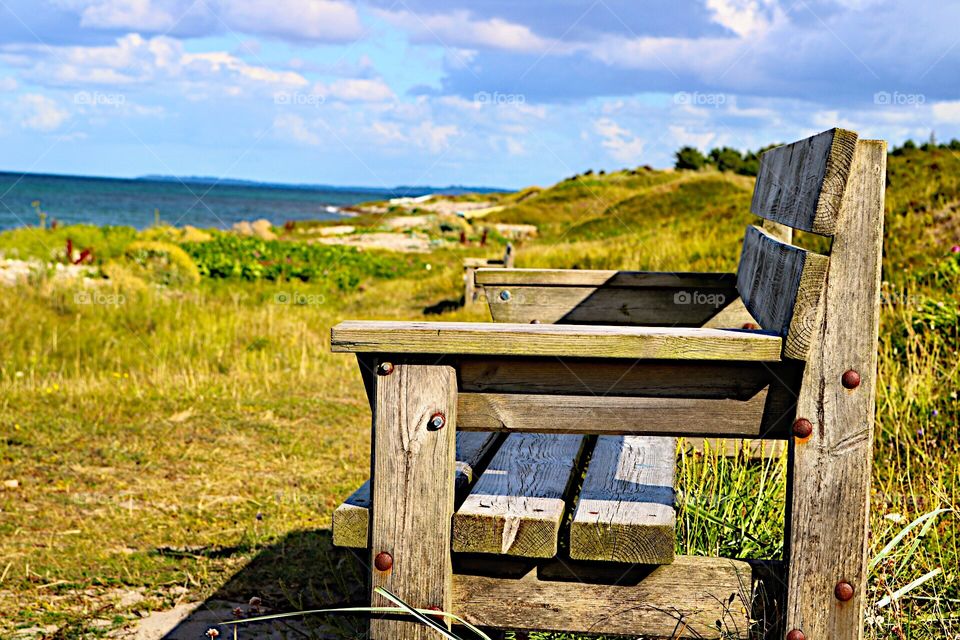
843,591
802,428
436,422
851,379
383,561
385,368
751,326
796,634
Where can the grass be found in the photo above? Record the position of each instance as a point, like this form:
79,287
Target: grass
176,442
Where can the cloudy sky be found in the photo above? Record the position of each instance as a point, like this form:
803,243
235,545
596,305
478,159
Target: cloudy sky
498,92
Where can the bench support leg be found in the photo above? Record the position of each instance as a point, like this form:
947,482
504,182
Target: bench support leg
831,468
413,492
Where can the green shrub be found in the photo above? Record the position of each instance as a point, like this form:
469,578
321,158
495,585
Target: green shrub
162,262
246,258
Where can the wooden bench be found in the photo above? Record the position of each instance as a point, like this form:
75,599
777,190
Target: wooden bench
470,267
592,375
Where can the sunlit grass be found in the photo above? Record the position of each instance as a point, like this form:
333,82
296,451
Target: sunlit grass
161,443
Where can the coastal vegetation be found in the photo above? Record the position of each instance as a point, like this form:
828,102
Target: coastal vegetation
173,426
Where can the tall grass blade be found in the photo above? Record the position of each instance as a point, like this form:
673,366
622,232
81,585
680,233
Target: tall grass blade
899,593
887,550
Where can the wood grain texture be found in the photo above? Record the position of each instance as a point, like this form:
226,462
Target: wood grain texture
351,519
802,184
831,470
733,315
608,278
412,494
610,415
649,306
680,600
625,511
478,338
516,506
781,285
736,380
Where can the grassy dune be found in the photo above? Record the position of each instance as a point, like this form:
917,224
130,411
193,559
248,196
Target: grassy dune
167,443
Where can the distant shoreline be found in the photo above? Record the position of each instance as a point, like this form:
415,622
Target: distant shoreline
380,192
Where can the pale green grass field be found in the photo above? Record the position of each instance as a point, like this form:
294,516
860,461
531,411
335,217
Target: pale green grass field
195,440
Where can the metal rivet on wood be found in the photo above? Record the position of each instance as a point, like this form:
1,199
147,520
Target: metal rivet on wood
851,379
802,428
843,591
383,561
436,422
504,295
796,634
385,368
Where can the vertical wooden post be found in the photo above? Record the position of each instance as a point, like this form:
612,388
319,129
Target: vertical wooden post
469,285
413,492
831,468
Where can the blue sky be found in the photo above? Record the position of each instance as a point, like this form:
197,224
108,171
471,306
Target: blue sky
502,93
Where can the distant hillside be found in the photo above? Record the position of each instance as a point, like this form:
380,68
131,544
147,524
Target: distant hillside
623,212
385,192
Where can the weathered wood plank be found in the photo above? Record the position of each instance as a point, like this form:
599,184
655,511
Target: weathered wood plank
732,316
625,511
516,506
412,493
615,378
611,415
351,519
680,600
802,184
649,306
479,338
831,469
608,278
781,285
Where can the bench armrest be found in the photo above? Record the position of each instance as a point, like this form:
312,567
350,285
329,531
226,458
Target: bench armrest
574,296
545,340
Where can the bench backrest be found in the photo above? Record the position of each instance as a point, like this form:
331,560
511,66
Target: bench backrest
803,186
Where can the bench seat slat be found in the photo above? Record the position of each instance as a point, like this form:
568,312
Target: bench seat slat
517,505
479,338
351,520
625,512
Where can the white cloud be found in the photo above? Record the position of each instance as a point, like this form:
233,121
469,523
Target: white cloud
222,63
683,137
434,137
295,128
120,14
40,113
619,142
324,20
515,147
947,111
745,17
387,132
460,30
358,90
8,84
137,60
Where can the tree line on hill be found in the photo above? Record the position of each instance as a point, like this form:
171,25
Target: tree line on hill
748,162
